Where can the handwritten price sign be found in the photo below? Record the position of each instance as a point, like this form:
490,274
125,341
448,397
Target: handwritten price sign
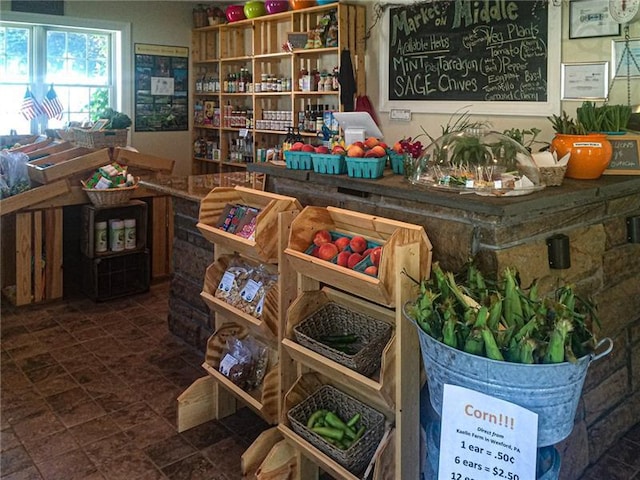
484,437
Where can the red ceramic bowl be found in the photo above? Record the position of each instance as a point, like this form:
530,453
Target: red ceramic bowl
300,4
235,13
276,6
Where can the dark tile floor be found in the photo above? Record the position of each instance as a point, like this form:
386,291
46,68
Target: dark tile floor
88,392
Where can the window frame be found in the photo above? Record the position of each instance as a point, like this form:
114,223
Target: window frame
121,46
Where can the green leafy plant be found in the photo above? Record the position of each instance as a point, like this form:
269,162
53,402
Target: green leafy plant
98,103
564,124
605,118
117,120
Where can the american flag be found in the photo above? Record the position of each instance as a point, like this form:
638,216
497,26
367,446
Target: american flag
30,107
51,105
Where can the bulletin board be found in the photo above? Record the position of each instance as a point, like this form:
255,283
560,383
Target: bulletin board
161,88
490,58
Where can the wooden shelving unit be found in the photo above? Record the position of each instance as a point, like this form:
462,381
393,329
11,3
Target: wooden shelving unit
217,398
256,44
394,389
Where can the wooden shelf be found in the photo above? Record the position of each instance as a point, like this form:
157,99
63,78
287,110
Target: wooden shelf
256,44
263,401
266,326
388,233
265,245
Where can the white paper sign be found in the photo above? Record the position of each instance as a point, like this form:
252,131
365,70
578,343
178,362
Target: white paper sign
485,438
162,86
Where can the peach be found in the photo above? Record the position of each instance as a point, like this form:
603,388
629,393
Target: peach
314,252
358,244
353,260
342,243
308,148
327,251
371,270
359,144
296,147
321,237
343,258
338,150
322,149
371,142
367,252
383,145
377,152
355,151
375,255
397,147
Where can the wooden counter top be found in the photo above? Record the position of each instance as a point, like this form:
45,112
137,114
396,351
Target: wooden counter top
572,193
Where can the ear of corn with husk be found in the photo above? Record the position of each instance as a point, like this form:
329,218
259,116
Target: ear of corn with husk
502,321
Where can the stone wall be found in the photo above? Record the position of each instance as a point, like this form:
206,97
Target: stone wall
189,317
603,266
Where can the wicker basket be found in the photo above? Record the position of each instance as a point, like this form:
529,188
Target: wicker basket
355,458
552,176
334,319
100,138
108,197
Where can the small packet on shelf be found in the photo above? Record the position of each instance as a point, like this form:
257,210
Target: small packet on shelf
234,277
255,289
245,362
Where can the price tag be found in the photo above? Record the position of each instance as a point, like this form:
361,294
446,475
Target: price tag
250,290
485,438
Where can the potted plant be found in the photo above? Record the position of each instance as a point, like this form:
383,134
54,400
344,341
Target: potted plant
590,152
493,336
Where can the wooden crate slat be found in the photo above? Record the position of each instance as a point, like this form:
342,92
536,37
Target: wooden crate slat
23,258
143,160
67,163
53,249
38,280
33,196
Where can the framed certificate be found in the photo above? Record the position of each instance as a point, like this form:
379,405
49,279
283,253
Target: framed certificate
591,18
585,81
625,54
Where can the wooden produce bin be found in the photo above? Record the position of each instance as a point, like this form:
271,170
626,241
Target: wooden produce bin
32,258
265,245
265,327
389,233
263,400
72,164
303,388
377,390
142,165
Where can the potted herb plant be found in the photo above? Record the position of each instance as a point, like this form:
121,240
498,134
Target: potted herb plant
590,151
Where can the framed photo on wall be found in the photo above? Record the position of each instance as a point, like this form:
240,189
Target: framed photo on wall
585,81
625,54
591,18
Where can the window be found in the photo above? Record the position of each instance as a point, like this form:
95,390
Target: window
83,62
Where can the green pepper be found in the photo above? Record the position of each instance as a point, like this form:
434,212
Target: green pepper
334,421
315,417
329,432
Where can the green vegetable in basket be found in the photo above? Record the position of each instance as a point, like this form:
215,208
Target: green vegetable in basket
329,432
336,422
117,120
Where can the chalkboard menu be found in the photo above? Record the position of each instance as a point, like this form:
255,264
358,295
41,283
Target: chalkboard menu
625,159
491,51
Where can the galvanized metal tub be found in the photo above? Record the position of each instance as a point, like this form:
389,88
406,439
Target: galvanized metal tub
552,391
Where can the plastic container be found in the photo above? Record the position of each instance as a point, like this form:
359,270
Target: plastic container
298,160
366,167
329,164
116,235
130,241
550,390
480,161
101,243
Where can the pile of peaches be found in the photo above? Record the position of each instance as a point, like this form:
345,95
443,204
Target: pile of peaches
350,252
370,148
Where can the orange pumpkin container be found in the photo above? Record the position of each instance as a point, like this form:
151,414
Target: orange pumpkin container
590,154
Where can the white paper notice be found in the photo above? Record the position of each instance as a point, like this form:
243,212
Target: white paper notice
484,438
162,86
